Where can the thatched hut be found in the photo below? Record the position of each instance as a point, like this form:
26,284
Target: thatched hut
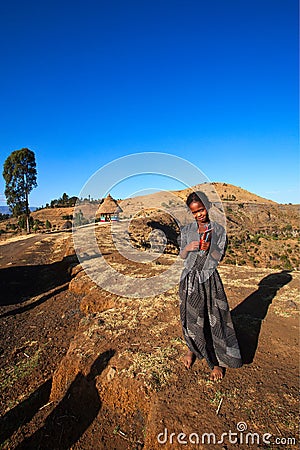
108,210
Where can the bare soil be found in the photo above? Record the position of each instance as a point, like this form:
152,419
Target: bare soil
82,368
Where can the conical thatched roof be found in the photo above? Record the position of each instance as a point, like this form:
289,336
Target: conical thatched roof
109,206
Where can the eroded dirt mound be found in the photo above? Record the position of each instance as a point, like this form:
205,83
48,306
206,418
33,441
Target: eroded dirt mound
156,230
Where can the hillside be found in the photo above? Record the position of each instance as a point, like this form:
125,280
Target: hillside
56,216
230,192
261,233
167,199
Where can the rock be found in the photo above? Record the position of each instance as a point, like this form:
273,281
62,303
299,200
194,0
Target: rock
96,300
290,304
74,269
81,284
111,373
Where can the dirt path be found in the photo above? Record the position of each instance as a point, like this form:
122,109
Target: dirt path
13,251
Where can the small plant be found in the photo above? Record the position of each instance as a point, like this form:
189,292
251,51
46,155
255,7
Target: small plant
218,396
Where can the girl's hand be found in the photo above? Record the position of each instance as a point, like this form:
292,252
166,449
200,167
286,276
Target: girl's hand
194,245
204,245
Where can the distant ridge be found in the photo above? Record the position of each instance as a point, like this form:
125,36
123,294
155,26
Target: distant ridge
229,192
216,191
225,189
5,209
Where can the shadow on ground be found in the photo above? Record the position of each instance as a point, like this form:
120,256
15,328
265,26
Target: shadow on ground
249,314
19,283
24,411
74,414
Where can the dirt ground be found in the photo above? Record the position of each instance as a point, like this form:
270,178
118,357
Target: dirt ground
81,368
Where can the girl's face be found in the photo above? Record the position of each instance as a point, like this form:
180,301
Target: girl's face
199,212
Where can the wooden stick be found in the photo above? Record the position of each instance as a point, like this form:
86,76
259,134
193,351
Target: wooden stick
219,407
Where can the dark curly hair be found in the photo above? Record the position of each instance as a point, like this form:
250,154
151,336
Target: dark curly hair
198,196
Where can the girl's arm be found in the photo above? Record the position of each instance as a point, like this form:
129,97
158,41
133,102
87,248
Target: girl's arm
192,246
220,246
184,246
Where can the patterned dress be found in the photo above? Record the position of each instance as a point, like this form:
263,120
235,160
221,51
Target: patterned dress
204,312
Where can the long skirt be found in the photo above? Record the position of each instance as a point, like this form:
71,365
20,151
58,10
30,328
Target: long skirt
206,321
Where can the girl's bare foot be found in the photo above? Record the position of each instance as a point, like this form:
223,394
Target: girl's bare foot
217,373
189,359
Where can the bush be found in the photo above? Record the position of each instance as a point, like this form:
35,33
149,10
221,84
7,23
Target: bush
22,222
4,216
287,265
230,261
68,217
255,239
79,219
11,226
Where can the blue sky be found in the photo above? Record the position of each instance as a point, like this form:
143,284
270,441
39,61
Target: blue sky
84,82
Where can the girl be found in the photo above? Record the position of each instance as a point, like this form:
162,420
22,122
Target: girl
204,311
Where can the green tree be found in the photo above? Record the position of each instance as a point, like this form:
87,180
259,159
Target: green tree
78,219
65,199
19,173
22,221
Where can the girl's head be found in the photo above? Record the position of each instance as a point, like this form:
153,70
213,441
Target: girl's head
199,206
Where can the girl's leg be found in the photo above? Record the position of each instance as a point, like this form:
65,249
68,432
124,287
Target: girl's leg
189,359
217,373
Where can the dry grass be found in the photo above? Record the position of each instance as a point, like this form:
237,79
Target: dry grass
287,302
131,313
155,368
